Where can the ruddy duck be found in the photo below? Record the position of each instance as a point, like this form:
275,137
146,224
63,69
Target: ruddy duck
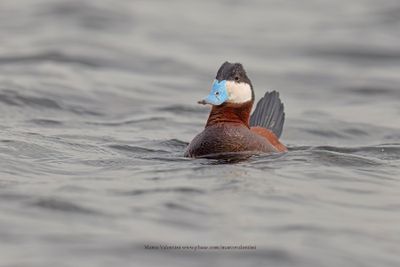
230,128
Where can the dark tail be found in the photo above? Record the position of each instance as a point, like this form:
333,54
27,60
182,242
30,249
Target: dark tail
269,113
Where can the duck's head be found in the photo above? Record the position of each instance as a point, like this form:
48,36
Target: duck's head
231,85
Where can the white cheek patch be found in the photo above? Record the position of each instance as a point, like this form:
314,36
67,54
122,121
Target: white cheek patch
238,92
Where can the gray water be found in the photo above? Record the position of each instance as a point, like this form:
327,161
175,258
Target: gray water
98,102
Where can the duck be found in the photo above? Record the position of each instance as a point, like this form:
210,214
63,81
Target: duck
230,129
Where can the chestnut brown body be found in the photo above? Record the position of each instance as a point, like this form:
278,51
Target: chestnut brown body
227,130
228,137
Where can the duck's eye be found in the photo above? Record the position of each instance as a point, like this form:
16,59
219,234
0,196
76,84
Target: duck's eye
237,78
217,93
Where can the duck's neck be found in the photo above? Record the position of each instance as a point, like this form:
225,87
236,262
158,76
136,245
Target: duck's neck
228,112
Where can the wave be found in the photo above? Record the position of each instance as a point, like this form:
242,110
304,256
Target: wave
13,98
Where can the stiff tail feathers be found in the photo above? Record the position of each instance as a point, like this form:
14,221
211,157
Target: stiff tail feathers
269,113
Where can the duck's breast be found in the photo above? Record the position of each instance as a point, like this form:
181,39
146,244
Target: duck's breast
225,138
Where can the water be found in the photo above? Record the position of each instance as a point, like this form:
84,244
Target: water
98,102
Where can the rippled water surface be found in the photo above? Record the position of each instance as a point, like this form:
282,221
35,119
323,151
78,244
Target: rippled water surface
98,102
